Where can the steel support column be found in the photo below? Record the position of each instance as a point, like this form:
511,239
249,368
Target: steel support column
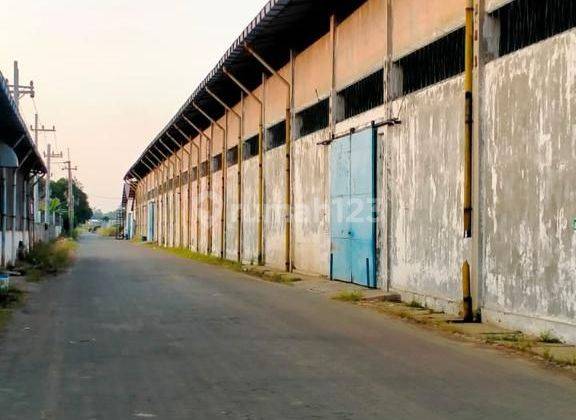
288,194
223,186
260,164
225,169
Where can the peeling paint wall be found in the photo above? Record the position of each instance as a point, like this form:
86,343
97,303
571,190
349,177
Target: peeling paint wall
423,159
529,129
311,195
274,193
232,214
250,211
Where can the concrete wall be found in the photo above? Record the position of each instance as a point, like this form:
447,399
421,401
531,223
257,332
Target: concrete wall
527,147
274,193
422,197
250,211
311,195
417,23
232,214
529,129
361,43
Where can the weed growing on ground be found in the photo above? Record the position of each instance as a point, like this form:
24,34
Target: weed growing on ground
549,338
349,296
109,231
416,305
48,258
207,259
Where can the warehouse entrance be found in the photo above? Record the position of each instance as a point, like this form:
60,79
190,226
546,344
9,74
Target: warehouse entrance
353,208
151,234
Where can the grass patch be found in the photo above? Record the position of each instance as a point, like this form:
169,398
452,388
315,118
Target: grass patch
48,258
349,296
549,338
196,256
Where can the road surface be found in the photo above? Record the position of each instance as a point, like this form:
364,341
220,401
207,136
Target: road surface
135,333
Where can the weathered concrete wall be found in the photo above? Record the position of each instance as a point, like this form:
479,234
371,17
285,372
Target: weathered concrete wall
232,214
216,212
311,195
250,211
312,69
417,22
529,129
423,160
274,193
276,93
360,43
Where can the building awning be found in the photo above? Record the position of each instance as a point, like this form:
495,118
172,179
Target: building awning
14,132
281,26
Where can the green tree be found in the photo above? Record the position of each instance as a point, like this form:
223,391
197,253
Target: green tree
82,210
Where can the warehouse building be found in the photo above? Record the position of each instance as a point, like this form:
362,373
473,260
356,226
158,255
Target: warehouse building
21,168
420,147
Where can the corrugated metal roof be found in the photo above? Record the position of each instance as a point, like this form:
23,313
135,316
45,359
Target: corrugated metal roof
280,26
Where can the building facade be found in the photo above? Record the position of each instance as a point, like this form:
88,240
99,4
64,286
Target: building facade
21,173
354,162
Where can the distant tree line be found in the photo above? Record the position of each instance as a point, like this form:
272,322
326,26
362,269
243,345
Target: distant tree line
82,210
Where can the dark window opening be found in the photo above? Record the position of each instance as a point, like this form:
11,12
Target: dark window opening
185,178
526,22
194,174
313,118
250,148
276,135
232,156
434,63
204,169
363,95
217,163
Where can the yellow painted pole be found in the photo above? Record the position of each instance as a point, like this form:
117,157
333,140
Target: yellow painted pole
468,87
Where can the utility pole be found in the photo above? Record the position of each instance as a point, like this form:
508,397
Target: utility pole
37,130
49,156
19,90
70,197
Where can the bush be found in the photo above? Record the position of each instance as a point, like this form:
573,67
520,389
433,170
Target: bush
109,231
50,257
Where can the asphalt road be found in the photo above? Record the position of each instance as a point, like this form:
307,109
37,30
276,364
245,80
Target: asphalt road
135,333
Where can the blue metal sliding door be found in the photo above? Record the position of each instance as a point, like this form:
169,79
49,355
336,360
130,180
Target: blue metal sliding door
352,210
151,234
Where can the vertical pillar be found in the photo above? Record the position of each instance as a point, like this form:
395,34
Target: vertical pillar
482,52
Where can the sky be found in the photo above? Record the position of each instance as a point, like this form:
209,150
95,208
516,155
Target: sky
109,74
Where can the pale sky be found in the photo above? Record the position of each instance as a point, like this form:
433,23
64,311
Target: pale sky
111,73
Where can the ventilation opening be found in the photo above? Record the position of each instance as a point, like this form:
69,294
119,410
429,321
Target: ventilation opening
217,163
185,178
232,156
276,135
363,95
313,119
194,174
250,148
526,22
203,169
434,63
